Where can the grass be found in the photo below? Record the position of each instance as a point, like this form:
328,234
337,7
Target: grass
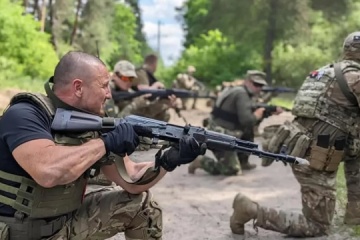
26,84
341,200
282,102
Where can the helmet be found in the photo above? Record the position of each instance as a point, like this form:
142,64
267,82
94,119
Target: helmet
351,46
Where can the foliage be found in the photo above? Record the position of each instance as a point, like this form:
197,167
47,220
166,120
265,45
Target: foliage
216,59
293,37
123,33
23,45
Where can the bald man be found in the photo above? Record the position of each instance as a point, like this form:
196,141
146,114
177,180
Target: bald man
44,173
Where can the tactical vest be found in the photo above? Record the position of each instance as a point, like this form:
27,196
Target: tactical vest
313,100
32,199
218,112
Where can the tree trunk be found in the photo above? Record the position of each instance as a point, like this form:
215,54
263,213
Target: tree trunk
43,16
73,33
270,39
51,16
36,8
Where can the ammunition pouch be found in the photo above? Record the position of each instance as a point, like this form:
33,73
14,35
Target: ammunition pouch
4,231
15,228
38,202
290,138
325,159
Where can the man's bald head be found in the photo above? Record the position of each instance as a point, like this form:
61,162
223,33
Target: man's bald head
76,65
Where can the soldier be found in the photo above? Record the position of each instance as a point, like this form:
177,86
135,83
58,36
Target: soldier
188,82
145,74
44,172
122,80
325,131
233,114
158,109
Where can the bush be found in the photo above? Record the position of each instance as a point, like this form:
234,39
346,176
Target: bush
23,44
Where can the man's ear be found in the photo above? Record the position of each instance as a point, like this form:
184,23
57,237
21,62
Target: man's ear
78,87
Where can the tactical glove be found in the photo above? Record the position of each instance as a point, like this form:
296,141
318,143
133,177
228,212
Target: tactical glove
187,151
122,140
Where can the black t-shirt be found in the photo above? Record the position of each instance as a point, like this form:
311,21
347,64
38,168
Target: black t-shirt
21,123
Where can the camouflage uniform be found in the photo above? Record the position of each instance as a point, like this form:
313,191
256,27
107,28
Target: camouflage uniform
325,132
227,162
110,210
188,82
157,109
232,115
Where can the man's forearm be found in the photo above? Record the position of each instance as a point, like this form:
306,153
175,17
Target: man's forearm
53,165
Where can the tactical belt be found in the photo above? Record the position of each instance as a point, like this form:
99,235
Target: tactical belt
224,115
32,229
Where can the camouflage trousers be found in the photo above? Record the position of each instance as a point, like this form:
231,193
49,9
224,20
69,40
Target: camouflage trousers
226,162
108,211
158,110
318,195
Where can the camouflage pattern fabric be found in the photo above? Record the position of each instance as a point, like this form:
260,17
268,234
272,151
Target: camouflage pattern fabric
111,210
318,201
267,134
187,82
226,163
100,179
352,176
318,194
158,109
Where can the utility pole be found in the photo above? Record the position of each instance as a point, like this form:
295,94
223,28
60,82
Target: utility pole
158,37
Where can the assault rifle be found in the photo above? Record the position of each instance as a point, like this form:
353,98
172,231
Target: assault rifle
73,121
269,109
157,93
268,89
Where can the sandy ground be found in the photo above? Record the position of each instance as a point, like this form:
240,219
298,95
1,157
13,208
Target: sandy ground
198,207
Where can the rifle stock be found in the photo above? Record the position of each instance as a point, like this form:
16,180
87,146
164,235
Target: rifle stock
73,121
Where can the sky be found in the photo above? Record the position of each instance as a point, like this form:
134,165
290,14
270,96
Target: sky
171,32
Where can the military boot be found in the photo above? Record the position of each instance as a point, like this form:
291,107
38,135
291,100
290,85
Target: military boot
352,214
245,165
244,211
195,164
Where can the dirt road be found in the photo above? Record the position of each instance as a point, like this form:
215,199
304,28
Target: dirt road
198,207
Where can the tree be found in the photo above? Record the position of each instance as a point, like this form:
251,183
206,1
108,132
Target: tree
22,43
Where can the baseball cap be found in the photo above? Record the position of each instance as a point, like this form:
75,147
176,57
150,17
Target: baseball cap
125,68
256,76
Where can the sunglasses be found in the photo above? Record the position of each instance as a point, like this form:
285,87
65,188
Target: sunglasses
124,78
258,85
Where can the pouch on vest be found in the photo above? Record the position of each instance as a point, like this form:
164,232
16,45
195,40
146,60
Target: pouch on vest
4,231
277,141
336,154
319,152
301,146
